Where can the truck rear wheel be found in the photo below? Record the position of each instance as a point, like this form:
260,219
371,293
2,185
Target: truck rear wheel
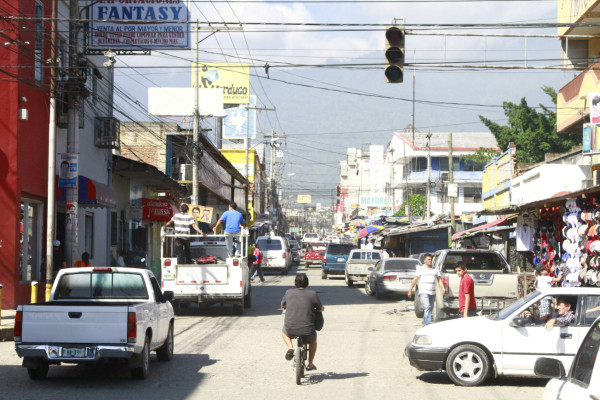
40,371
165,352
142,372
418,305
323,275
437,313
238,308
248,298
349,281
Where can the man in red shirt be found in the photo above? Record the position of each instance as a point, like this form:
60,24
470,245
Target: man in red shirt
466,291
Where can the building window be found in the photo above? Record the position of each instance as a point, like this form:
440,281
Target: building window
31,239
39,42
472,195
444,164
471,166
419,164
89,234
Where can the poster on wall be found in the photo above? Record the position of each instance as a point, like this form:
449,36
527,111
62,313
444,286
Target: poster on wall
594,104
67,170
200,213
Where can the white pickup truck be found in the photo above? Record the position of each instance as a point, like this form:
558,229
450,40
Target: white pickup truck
495,283
213,277
94,314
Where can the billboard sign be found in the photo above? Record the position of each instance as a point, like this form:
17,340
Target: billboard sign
239,120
374,201
233,78
591,138
304,198
67,170
139,25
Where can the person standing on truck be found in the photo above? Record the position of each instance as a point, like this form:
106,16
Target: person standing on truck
182,221
257,264
466,291
300,305
428,278
84,262
232,219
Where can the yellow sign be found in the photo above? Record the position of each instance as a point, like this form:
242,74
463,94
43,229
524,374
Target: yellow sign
304,198
200,213
234,78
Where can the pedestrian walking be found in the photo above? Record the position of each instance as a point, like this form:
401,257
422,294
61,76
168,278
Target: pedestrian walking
257,264
428,278
466,291
232,219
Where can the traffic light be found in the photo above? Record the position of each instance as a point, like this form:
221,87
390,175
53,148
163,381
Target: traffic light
394,54
338,191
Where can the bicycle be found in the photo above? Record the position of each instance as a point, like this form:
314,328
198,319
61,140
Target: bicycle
300,356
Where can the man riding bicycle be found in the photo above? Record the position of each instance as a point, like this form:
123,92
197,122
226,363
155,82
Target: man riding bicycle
300,305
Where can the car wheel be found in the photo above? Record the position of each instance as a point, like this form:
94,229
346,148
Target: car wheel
165,352
142,372
378,294
349,282
238,309
437,314
40,371
368,290
323,275
248,298
418,305
468,365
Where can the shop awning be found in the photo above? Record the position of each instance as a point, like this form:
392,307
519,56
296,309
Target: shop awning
480,227
91,193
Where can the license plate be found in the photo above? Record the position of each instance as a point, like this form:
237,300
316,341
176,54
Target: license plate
407,281
74,352
167,277
341,259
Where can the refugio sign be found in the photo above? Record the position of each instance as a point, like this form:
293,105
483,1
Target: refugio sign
139,24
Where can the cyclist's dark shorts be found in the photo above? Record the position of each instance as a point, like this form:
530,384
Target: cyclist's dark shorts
307,338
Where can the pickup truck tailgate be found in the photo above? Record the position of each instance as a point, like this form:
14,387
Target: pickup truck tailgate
489,284
202,274
360,266
74,324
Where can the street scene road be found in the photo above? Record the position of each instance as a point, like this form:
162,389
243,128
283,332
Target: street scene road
221,356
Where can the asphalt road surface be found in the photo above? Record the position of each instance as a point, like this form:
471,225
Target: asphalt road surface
220,356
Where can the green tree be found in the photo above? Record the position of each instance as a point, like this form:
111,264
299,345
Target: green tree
533,132
417,206
481,156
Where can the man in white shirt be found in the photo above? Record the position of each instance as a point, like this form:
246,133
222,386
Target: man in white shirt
429,279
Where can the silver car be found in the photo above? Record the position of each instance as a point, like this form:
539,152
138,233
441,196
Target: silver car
391,276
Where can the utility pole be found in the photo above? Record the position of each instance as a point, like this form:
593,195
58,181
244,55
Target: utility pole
247,147
428,189
393,205
51,157
73,90
196,130
451,183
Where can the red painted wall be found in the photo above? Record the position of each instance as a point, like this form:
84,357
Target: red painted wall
23,144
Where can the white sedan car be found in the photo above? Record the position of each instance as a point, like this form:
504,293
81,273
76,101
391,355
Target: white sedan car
505,343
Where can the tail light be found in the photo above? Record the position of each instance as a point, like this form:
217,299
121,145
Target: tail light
168,262
284,255
325,258
236,262
131,327
388,277
102,269
446,282
18,332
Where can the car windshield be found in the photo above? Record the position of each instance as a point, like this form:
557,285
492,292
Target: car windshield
311,236
366,255
401,264
339,249
474,262
317,247
269,244
93,285
514,306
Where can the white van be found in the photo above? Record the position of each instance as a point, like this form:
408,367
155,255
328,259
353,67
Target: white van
276,252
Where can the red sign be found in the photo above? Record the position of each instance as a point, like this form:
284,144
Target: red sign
156,210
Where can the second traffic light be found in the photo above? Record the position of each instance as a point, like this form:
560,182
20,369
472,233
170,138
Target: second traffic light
394,54
338,191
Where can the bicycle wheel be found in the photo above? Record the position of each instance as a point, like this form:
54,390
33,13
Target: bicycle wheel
304,357
298,365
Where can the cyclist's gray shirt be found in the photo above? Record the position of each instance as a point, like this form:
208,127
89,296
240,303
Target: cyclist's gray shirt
300,311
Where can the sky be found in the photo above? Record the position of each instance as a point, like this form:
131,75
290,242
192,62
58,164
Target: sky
327,83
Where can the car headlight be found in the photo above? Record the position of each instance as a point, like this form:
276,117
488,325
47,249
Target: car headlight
422,340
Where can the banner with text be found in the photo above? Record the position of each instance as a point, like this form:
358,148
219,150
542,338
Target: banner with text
374,201
233,78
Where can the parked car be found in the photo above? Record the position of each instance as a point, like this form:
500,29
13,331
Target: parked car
295,246
583,379
95,314
359,265
275,253
391,276
494,280
311,238
334,260
314,254
506,342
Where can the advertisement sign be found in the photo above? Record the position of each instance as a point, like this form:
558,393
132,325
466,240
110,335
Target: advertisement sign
233,78
67,170
374,201
139,25
237,122
594,104
304,198
591,138
200,213
156,210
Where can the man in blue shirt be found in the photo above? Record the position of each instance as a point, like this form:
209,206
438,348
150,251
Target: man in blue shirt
233,220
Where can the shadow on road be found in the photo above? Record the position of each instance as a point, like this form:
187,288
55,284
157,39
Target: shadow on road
317,378
441,378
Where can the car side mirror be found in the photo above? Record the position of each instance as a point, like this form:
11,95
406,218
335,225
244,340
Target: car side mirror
168,295
516,322
549,368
